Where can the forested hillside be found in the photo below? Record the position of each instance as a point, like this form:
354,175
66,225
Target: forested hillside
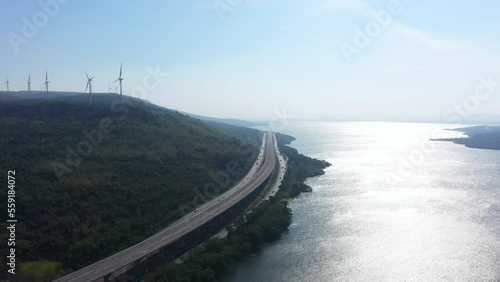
251,230
92,179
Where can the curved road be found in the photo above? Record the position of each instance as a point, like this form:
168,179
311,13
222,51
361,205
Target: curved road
257,175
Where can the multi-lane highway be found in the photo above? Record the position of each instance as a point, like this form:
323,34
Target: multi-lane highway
280,174
262,170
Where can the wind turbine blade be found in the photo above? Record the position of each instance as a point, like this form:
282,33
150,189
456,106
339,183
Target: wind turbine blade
87,75
92,78
87,87
46,76
121,65
116,80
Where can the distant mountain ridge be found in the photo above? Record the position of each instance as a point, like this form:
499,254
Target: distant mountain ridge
17,95
39,94
236,122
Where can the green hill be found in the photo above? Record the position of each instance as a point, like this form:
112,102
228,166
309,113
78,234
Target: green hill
92,179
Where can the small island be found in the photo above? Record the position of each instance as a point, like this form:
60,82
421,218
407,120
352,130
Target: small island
479,137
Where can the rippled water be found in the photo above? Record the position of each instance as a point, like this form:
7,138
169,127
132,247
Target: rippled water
394,206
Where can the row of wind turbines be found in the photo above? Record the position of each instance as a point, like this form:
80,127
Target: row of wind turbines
46,83
88,87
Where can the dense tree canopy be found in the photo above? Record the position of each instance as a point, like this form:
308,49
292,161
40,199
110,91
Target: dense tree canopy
264,223
93,179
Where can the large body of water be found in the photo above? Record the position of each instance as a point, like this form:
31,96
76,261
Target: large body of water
393,206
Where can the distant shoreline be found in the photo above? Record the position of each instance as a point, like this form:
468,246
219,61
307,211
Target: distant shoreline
478,137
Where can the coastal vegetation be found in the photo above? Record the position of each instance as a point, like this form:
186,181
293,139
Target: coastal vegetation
246,236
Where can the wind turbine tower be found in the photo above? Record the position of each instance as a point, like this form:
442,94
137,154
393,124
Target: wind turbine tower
7,82
109,89
29,86
120,79
89,86
47,83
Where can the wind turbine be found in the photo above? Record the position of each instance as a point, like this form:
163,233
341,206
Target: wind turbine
89,86
120,79
109,89
7,82
47,83
29,86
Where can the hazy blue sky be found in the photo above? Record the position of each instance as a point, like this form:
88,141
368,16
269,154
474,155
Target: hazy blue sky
257,59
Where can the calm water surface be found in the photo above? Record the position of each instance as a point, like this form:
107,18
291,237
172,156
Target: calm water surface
393,206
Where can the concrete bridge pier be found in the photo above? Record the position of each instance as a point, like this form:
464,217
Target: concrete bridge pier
137,269
162,253
197,234
106,278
